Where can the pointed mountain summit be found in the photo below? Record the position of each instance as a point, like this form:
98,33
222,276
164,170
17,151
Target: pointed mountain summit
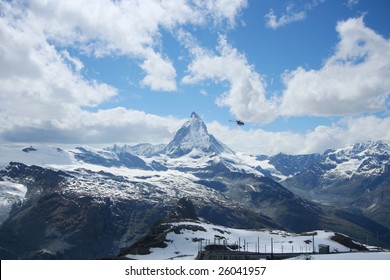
193,136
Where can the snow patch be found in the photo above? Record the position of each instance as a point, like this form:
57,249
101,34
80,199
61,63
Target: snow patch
37,154
10,193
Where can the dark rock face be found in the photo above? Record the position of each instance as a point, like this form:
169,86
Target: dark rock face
29,149
73,228
348,242
185,209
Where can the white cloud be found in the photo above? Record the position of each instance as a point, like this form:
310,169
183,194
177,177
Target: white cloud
345,132
131,28
77,63
43,93
291,15
103,126
44,96
354,80
36,81
160,73
274,22
203,92
257,141
246,96
352,3
222,9
129,126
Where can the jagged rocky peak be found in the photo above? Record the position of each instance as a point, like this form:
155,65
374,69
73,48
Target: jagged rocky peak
194,136
195,132
194,115
363,149
373,147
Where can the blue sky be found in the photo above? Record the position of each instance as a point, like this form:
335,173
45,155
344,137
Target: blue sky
303,75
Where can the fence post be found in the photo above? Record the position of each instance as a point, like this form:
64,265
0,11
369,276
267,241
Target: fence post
314,250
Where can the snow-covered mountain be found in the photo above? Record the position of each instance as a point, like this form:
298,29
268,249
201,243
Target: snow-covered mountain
361,159
355,178
193,136
192,149
89,203
351,171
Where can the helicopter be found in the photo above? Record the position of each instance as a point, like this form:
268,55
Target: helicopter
238,122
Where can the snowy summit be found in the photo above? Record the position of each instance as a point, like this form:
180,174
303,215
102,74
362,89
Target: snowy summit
193,135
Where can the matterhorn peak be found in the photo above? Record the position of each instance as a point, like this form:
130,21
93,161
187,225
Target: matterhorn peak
196,126
194,135
194,115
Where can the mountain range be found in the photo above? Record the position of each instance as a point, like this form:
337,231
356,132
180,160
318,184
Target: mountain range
88,203
355,178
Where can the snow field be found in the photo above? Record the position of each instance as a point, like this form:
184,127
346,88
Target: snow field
186,244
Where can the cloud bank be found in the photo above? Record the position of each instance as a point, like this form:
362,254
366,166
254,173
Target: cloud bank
354,80
351,83
246,96
44,95
342,133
